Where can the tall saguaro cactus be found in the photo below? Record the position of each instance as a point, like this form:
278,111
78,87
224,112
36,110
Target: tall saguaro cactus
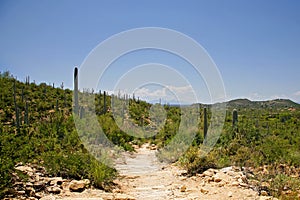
205,122
234,117
26,117
16,109
76,104
104,102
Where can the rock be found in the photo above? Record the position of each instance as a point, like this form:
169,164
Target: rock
204,191
264,193
244,179
209,172
231,173
49,197
37,178
226,169
243,185
240,180
153,147
55,181
38,195
24,168
265,185
267,198
217,179
183,188
221,184
54,189
220,176
235,183
29,184
39,185
21,192
29,191
123,197
77,186
236,169
229,194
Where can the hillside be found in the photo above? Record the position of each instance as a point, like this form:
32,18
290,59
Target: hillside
276,104
37,126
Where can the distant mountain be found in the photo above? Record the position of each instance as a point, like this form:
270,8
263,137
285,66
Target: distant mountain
276,103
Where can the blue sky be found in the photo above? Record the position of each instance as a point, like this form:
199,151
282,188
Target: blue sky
255,44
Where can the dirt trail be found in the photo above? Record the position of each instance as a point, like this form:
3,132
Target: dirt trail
143,177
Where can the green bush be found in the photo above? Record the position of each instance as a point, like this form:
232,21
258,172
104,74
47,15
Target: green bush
194,161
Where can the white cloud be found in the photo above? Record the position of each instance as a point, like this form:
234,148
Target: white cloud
168,94
297,93
255,96
296,96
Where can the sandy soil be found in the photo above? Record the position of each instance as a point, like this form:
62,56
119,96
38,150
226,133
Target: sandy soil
143,177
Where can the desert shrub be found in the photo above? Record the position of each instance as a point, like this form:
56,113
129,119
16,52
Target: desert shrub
194,161
282,182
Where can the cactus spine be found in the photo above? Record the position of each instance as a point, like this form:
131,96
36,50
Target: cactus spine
76,104
205,122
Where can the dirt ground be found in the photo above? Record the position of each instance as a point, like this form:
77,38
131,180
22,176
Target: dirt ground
142,177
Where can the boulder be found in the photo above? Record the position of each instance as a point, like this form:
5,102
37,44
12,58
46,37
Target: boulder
209,172
78,186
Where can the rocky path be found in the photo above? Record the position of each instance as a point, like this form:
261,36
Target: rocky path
143,177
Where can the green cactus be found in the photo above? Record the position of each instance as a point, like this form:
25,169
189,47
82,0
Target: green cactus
104,102
234,117
100,99
16,109
27,79
65,99
22,94
76,104
123,113
26,117
56,107
82,112
205,128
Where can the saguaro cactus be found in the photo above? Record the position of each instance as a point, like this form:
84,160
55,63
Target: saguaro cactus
82,112
56,106
27,80
76,104
234,117
26,118
123,112
104,102
16,108
100,100
205,122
